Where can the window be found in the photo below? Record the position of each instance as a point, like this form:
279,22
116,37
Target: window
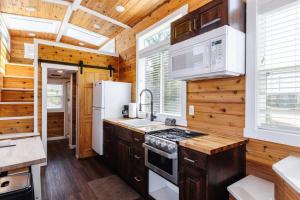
169,96
273,86
55,96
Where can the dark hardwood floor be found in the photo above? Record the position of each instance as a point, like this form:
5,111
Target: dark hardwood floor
65,177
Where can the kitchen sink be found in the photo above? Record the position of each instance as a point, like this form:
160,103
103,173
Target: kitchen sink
139,122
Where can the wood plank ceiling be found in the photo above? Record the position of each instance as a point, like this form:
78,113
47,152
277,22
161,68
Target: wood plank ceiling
135,11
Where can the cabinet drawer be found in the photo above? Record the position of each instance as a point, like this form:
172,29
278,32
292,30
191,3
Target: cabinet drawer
123,134
193,158
139,181
138,139
138,159
212,16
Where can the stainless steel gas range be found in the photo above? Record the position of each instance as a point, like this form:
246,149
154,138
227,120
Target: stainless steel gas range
161,151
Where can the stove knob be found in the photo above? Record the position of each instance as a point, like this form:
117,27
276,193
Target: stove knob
171,148
163,145
152,141
157,143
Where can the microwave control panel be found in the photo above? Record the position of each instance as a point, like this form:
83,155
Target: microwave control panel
217,54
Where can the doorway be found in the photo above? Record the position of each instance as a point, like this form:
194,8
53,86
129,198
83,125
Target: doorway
59,103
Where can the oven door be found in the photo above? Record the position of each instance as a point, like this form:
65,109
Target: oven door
162,163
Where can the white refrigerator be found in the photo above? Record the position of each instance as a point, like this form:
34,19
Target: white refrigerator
108,100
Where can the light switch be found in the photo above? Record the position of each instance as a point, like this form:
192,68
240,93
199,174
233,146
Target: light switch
191,110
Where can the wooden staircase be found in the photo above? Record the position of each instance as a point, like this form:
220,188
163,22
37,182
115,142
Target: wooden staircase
16,105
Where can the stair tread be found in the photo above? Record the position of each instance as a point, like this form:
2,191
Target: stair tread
11,76
17,89
19,64
9,103
16,118
17,135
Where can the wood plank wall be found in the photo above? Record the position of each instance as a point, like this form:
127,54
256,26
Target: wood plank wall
84,84
55,124
17,50
219,104
4,57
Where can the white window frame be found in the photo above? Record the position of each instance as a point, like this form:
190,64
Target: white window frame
251,130
180,120
63,97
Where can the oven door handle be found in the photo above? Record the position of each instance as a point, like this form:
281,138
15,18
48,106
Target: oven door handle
160,152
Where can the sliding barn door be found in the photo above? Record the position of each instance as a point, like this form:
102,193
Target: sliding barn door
85,103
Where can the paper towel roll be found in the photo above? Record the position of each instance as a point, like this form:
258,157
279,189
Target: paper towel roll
132,110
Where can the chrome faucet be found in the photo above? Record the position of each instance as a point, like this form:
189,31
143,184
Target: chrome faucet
152,117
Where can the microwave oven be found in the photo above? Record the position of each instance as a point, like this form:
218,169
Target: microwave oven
217,53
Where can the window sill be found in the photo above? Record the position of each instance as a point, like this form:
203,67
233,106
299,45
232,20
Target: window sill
273,136
52,110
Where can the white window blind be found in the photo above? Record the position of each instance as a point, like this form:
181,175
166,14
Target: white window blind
278,67
166,92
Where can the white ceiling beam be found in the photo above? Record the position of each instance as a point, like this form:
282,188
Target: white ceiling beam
104,17
65,22
64,3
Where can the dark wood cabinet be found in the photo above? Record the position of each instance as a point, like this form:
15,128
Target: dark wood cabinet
123,158
184,28
123,151
206,177
108,142
215,14
193,183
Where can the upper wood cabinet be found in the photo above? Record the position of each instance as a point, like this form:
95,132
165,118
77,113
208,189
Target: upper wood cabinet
215,14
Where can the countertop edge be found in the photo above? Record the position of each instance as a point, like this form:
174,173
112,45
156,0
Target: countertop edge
21,165
211,152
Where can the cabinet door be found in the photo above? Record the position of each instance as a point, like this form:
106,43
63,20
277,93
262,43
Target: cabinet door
183,29
192,183
212,16
108,144
123,159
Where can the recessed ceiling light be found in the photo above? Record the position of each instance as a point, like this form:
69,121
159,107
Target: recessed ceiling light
30,9
120,9
31,34
81,44
97,26
60,71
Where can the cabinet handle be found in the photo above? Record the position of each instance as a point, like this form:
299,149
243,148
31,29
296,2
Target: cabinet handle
211,22
195,23
137,179
137,157
189,160
136,139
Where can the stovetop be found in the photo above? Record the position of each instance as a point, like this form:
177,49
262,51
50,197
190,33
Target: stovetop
175,134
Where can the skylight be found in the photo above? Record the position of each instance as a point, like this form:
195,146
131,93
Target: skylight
17,22
109,47
85,35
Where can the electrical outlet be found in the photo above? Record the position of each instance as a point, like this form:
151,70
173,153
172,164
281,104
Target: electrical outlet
191,110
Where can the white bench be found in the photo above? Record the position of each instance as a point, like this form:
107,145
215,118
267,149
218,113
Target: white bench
252,188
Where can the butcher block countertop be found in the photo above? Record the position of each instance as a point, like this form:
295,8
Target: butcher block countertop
26,152
208,144
212,144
